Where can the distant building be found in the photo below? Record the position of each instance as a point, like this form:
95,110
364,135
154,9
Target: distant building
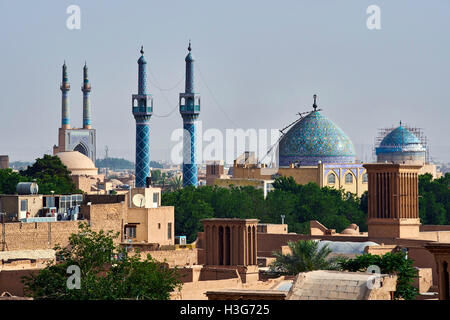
4,162
82,139
214,170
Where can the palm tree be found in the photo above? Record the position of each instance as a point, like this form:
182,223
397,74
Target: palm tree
176,183
163,179
305,256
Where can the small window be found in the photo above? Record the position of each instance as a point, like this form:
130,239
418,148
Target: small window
365,178
348,178
159,225
131,232
331,178
156,198
169,230
24,205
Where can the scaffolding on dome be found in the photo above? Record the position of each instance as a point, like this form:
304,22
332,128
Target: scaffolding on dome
418,132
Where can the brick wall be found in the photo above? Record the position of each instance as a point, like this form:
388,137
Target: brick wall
39,235
11,281
45,235
174,258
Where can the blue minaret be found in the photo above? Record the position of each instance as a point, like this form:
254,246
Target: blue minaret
190,110
65,88
142,108
86,88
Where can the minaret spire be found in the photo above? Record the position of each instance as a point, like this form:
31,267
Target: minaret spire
65,88
189,110
86,89
142,109
315,104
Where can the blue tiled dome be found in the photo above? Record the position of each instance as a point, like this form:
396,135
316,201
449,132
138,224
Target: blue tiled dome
315,138
398,140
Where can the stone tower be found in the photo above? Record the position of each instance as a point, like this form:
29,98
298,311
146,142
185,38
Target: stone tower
142,109
189,110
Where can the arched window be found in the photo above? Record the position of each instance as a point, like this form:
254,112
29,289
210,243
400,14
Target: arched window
331,178
349,178
365,178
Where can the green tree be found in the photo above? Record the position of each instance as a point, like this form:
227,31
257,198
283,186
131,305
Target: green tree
434,199
51,175
305,256
299,204
390,263
9,180
107,272
156,176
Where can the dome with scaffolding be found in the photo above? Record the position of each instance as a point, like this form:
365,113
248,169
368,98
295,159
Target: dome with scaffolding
400,145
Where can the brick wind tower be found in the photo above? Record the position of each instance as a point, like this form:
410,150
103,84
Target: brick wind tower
189,110
142,109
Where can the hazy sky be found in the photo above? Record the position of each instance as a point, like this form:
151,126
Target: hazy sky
261,62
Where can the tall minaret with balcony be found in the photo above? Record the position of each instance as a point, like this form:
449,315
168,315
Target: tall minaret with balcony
65,88
86,89
142,108
190,110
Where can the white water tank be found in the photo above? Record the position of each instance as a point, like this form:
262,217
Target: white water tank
27,188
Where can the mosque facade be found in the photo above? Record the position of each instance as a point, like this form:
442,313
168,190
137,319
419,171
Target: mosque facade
70,138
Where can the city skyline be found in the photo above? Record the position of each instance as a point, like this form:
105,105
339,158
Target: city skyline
251,75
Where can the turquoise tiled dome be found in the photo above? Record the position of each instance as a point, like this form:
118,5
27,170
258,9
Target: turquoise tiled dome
398,140
315,138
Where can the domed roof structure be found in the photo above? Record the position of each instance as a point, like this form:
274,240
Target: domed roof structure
315,138
401,146
400,139
77,163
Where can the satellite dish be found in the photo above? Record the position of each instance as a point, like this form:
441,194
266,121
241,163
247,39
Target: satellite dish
139,200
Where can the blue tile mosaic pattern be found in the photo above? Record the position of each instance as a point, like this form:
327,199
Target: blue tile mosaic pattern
315,138
86,88
190,171
142,114
189,111
398,140
65,88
